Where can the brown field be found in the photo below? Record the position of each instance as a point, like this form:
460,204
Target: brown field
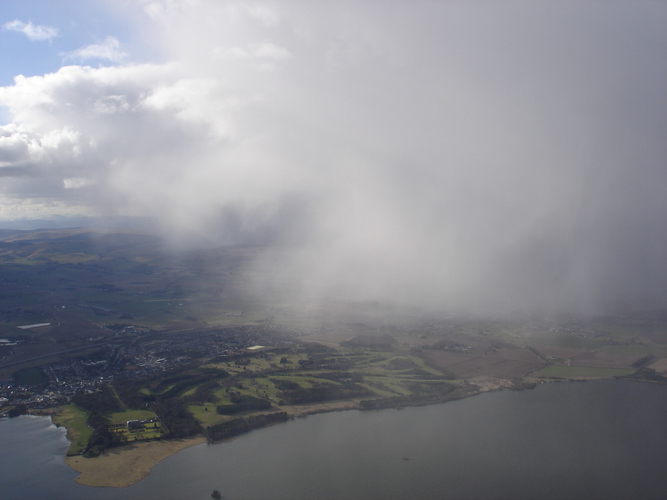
75,328
178,325
490,384
601,359
124,466
660,365
414,340
499,365
330,339
495,367
558,352
518,355
657,337
445,359
478,348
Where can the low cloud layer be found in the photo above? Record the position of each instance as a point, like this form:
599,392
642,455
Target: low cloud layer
483,157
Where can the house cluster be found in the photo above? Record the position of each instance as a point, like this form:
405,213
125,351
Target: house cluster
62,380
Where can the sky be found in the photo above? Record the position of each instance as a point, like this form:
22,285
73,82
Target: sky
462,156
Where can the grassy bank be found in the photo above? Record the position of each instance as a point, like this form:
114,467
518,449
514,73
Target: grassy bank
78,433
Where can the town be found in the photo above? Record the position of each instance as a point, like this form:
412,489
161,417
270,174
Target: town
132,353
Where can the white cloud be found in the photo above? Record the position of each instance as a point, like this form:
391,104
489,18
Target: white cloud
39,208
21,146
162,8
264,12
144,128
109,50
14,145
259,51
441,155
76,182
34,32
111,104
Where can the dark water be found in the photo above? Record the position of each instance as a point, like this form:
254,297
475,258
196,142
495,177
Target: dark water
596,440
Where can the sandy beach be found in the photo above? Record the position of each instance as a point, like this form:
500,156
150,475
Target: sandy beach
124,466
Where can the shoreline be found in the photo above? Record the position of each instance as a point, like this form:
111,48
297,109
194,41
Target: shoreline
123,466
126,465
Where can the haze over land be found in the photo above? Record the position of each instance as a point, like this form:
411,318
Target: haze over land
477,157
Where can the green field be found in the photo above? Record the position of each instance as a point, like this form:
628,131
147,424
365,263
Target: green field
78,433
207,415
123,416
638,349
30,376
378,371
582,372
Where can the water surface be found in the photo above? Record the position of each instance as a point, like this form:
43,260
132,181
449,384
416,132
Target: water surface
594,440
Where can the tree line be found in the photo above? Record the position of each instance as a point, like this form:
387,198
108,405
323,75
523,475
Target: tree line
242,425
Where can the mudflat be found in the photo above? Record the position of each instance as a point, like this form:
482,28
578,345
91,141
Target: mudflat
124,466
